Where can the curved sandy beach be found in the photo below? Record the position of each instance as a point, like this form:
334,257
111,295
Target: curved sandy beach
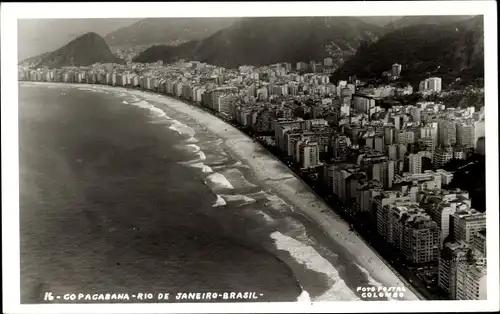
282,181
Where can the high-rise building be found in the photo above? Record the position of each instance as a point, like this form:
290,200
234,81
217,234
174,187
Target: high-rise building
430,130
432,84
479,241
481,146
363,103
405,137
396,70
479,130
378,144
466,223
301,66
339,183
415,114
446,176
421,238
309,154
427,144
459,152
369,142
442,207
328,61
341,146
396,121
388,135
451,255
381,213
447,132
346,92
415,163
384,173
224,103
465,135
281,126
442,156
435,84
471,280
408,228
392,152
365,194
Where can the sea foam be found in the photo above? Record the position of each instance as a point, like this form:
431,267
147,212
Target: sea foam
192,140
243,199
309,257
202,166
181,128
266,217
219,202
152,109
201,155
304,296
87,89
240,164
219,181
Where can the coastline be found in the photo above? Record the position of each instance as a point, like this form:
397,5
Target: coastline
281,180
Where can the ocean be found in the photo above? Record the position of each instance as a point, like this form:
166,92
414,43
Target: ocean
119,194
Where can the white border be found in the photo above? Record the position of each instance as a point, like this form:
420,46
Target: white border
10,12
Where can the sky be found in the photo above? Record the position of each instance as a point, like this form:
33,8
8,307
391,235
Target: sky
36,36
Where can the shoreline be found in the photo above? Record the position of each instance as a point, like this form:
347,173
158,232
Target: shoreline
283,181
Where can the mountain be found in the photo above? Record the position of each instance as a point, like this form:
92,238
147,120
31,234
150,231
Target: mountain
406,21
447,50
166,30
167,54
267,40
379,20
33,38
85,50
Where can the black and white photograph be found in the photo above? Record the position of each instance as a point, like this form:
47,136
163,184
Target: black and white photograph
250,157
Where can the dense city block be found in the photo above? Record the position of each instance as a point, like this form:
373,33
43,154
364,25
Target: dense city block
394,160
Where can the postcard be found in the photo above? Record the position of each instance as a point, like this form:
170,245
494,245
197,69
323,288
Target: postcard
250,157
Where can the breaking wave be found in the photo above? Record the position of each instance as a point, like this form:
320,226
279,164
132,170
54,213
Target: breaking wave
182,129
242,199
219,181
310,258
152,109
219,202
240,164
193,148
265,216
202,166
304,296
201,155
